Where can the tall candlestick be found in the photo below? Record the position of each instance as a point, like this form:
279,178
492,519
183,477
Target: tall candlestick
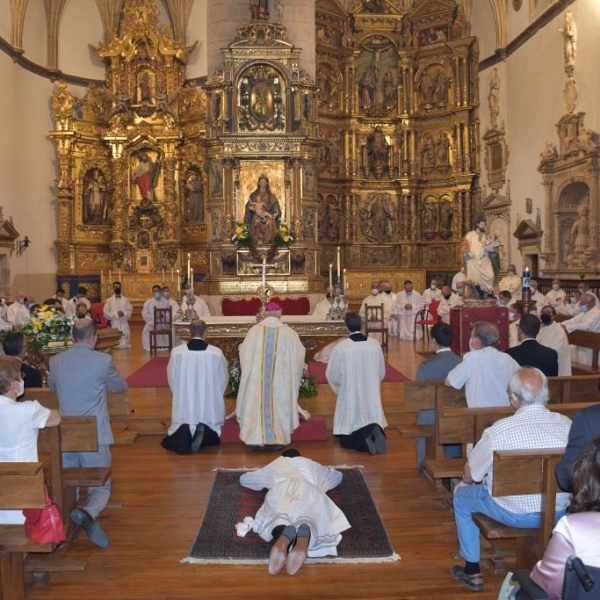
339,262
345,286
178,281
331,276
171,275
264,272
163,275
192,277
189,266
120,278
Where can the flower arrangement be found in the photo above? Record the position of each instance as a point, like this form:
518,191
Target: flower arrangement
284,235
241,236
308,383
48,327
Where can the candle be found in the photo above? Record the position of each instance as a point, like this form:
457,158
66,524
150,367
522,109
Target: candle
171,275
178,281
264,272
526,278
163,276
120,278
189,267
331,276
192,277
338,264
345,286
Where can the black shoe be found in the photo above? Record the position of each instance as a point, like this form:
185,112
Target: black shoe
198,437
94,530
380,440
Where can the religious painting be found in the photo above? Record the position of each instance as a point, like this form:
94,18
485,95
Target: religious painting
145,167
95,198
250,172
193,196
146,87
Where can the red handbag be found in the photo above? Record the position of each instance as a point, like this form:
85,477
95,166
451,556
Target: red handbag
45,525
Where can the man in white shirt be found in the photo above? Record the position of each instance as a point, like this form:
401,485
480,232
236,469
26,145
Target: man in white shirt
449,300
190,300
408,304
588,319
554,336
157,301
511,282
198,376
432,292
355,372
532,427
556,296
17,313
80,296
484,371
540,299
386,289
118,310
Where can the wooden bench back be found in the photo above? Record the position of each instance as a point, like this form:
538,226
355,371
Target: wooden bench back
74,434
118,404
423,394
21,485
586,339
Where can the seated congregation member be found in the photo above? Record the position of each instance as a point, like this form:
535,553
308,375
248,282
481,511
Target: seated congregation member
578,532
272,362
15,344
554,336
408,304
355,372
157,301
304,523
484,370
17,314
82,377
118,310
585,427
20,423
448,301
198,377
531,427
529,352
436,368
191,301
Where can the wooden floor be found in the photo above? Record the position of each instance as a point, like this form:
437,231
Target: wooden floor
159,500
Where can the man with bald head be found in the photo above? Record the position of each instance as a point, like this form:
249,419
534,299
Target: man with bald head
532,427
82,377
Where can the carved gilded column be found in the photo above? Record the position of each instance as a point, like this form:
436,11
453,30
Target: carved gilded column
594,200
171,214
118,212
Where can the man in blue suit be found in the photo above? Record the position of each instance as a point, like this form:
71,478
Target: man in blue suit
434,368
82,377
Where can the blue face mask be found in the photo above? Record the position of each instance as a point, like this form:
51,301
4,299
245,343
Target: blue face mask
584,308
157,295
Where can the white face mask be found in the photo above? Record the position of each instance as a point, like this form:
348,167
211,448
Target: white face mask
511,273
21,385
374,291
573,300
555,287
433,286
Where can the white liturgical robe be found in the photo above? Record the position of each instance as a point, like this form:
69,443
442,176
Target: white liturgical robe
321,310
406,316
272,362
112,307
479,265
446,305
17,314
512,284
199,306
584,321
355,372
554,336
148,316
198,379
297,495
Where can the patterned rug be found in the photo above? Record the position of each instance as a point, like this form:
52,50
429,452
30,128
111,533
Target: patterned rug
217,543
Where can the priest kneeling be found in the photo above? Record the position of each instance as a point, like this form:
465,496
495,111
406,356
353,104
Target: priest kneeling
355,372
198,377
272,362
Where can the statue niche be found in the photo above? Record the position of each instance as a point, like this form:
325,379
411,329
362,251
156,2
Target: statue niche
193,196
261,99
95,198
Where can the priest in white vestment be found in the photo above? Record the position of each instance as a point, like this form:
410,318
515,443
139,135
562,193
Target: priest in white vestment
432,292
588,319
554,336
198,377
272,362
17,314
448,301
392,322
556,296
408,304
375,298
192,301
512,283
157,301
322,308
355,372
118,310
297,499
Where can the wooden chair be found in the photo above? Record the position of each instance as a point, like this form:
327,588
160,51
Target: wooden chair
375,324
162,330
426,317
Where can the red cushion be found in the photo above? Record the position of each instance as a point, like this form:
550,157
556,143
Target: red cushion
98,315
293,306
241,307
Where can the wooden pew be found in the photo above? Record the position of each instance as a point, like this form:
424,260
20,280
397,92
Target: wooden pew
462,425
586,339
523,472
21,486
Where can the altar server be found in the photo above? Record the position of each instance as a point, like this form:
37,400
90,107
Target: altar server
198,376
310,522
157,301
272,362
355,372
118,311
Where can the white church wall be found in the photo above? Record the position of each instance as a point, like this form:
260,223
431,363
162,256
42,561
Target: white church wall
34,33
197,31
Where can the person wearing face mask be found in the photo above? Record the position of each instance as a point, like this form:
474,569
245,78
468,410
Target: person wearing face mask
166,294
17,313
459,278
377,299
538,297
556,296
529,352
157,301
321,310
386,288
512,283
484,370
408,304
504,298
118,311
190,300
554,336
432,292
20,423
570,306
449,300
80,296
588,319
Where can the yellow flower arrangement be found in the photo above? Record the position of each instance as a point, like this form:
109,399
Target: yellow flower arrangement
48,326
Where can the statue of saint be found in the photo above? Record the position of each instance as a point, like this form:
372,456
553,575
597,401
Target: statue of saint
95,199
377,148
194,197
263,213
145,175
